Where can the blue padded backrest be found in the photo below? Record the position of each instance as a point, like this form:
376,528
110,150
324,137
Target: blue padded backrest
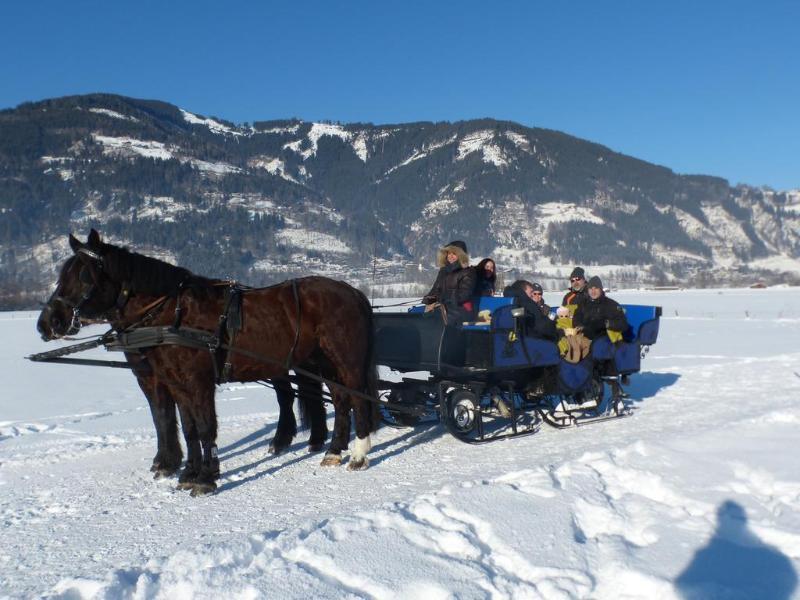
492,303
502,319
637,314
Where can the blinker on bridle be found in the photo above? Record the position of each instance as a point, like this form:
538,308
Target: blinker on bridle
85,277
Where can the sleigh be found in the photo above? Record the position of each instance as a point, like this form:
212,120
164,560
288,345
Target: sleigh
489,381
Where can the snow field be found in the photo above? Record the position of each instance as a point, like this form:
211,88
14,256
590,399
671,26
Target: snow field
697,493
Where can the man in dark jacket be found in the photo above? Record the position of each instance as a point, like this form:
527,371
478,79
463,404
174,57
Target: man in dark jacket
537,295
599,314
577,292
455,283
536,324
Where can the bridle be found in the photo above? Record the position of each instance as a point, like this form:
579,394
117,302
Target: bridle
75,323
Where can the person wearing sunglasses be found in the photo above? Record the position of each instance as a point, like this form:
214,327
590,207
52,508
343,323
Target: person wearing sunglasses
535,322
576,295
577,292
537,295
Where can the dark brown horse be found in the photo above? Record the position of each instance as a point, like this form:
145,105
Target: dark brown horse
314,323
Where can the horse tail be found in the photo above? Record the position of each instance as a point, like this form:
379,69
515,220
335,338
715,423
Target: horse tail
302,406
309,400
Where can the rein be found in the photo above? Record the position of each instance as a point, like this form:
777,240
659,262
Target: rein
407,303
149,337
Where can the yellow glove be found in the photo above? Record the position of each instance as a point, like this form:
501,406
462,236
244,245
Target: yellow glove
614,336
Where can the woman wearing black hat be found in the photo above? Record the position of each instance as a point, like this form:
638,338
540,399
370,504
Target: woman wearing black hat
455,283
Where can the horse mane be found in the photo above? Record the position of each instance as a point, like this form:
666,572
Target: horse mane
147,275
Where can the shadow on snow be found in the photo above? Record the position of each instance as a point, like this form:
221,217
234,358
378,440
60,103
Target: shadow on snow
737,564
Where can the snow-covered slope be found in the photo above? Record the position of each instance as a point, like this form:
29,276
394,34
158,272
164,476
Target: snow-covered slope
162,179
697,493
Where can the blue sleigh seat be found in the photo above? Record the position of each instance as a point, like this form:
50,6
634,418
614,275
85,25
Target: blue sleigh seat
642,330
536,352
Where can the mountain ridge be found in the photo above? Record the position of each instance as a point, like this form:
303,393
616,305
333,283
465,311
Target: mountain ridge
273,199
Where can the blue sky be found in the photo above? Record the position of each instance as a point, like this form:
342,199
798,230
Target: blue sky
701,87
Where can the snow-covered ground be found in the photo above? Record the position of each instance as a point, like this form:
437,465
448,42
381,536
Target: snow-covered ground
696,495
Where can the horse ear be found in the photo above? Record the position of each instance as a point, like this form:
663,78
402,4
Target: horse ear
94,238
74,243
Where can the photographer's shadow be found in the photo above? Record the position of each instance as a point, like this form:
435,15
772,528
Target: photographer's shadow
737,564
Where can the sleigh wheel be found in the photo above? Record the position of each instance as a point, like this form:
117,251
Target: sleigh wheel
462,412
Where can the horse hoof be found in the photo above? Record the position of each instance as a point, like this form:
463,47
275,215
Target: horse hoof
203,489
276,450
186,485
316,447
358,465
162,473
331,460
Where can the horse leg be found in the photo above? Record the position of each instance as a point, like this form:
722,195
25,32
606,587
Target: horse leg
207,433
169,455
194,452
287,425
353,377
309,392
363,411
341,429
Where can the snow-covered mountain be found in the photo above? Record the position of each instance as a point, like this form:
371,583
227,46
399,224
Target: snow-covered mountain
268,200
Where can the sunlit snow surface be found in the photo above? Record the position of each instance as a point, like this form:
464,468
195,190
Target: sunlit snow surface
696,495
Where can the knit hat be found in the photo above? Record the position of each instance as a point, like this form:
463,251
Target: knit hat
578,272
537,288
595,282
459,244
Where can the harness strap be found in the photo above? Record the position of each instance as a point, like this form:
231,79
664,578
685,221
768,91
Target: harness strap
149,337
290,356
230,321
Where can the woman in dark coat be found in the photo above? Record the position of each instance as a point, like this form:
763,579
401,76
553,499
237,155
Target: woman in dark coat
485,278
455,283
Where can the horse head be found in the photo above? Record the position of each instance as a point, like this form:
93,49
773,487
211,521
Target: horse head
83,291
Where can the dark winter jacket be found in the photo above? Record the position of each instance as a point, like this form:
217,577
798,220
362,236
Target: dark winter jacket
454,286
597,316
573,297
536,324
544,308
